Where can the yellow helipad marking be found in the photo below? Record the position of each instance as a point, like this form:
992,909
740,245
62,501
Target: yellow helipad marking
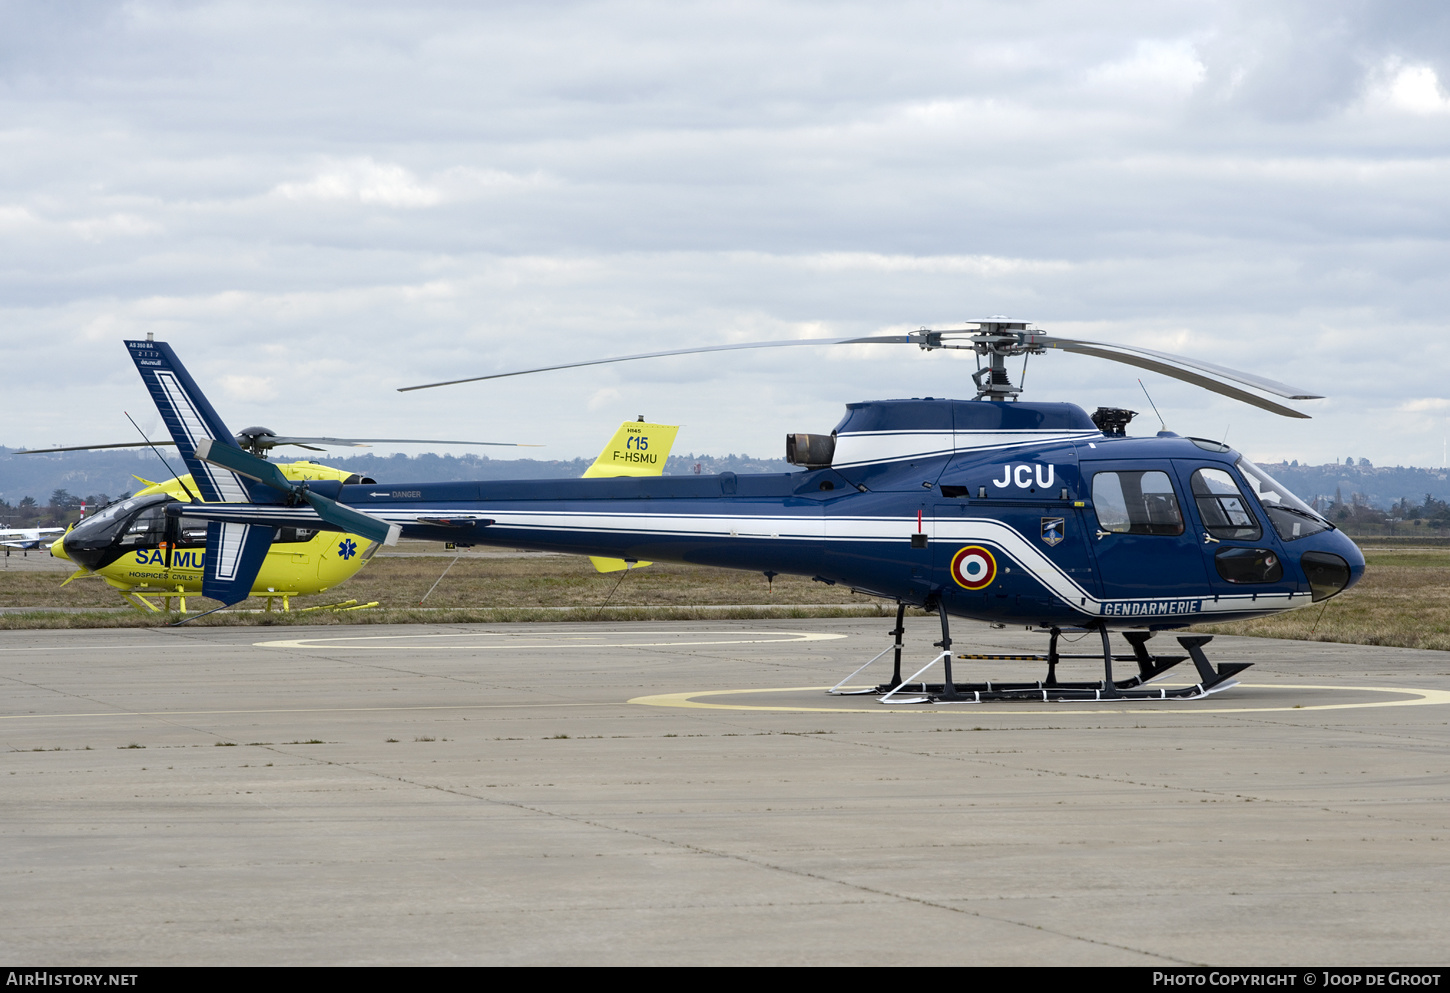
1418,698
565,641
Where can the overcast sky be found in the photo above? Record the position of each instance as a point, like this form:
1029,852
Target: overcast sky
316,203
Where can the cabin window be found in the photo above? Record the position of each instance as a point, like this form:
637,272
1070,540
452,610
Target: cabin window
1136,503
1222,508
192,533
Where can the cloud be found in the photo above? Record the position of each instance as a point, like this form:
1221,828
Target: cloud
96,229
1157,70
363,181
978,265
1412,89
1423,405
339,199
248,388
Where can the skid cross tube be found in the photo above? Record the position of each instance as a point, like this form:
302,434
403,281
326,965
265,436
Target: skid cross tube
897,632
900,686
1051,689
837,691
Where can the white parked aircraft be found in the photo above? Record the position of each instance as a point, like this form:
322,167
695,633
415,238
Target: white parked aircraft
28,538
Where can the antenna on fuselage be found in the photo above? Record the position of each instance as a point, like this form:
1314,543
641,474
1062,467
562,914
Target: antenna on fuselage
190,496
1162,423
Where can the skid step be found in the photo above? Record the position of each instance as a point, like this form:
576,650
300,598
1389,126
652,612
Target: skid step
980,693
1095,656
914,689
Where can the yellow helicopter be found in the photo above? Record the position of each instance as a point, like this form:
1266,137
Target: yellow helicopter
135,547
146,555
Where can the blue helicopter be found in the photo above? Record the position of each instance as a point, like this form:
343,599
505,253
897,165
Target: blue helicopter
994,509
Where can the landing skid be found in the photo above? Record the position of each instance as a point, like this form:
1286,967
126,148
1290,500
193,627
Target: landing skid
1051,689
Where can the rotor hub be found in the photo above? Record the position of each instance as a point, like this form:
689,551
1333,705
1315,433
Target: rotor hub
995,338
256,440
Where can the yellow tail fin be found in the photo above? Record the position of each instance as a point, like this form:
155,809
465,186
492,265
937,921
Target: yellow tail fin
637,449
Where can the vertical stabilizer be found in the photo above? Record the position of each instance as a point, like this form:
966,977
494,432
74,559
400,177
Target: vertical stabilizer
234,556
636,449
190,418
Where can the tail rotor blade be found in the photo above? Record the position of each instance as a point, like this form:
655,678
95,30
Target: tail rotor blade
244,464
334,513
353,521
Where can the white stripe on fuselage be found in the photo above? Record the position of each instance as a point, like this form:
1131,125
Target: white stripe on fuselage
857,448
1023,551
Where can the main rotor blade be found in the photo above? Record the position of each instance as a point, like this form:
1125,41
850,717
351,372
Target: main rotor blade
1142,362
365,442
272,442
886,339
1248,379
94,448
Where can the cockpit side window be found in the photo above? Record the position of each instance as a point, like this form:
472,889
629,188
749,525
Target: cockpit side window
1223,509
1137,503
146,529
1291,517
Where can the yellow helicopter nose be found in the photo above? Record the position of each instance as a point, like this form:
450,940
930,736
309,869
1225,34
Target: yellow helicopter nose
57,548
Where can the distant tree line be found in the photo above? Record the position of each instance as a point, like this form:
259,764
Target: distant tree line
63,509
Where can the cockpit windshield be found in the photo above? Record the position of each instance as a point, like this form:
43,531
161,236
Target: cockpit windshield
102,528
1291,517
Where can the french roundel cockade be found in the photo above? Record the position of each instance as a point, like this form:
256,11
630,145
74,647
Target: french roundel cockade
974,568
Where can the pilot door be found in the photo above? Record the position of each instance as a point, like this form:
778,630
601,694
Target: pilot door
1240,552
1145,547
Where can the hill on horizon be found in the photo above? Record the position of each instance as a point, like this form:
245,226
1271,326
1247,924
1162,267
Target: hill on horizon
113,473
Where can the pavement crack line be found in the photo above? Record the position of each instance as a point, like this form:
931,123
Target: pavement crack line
1119,780
747,860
